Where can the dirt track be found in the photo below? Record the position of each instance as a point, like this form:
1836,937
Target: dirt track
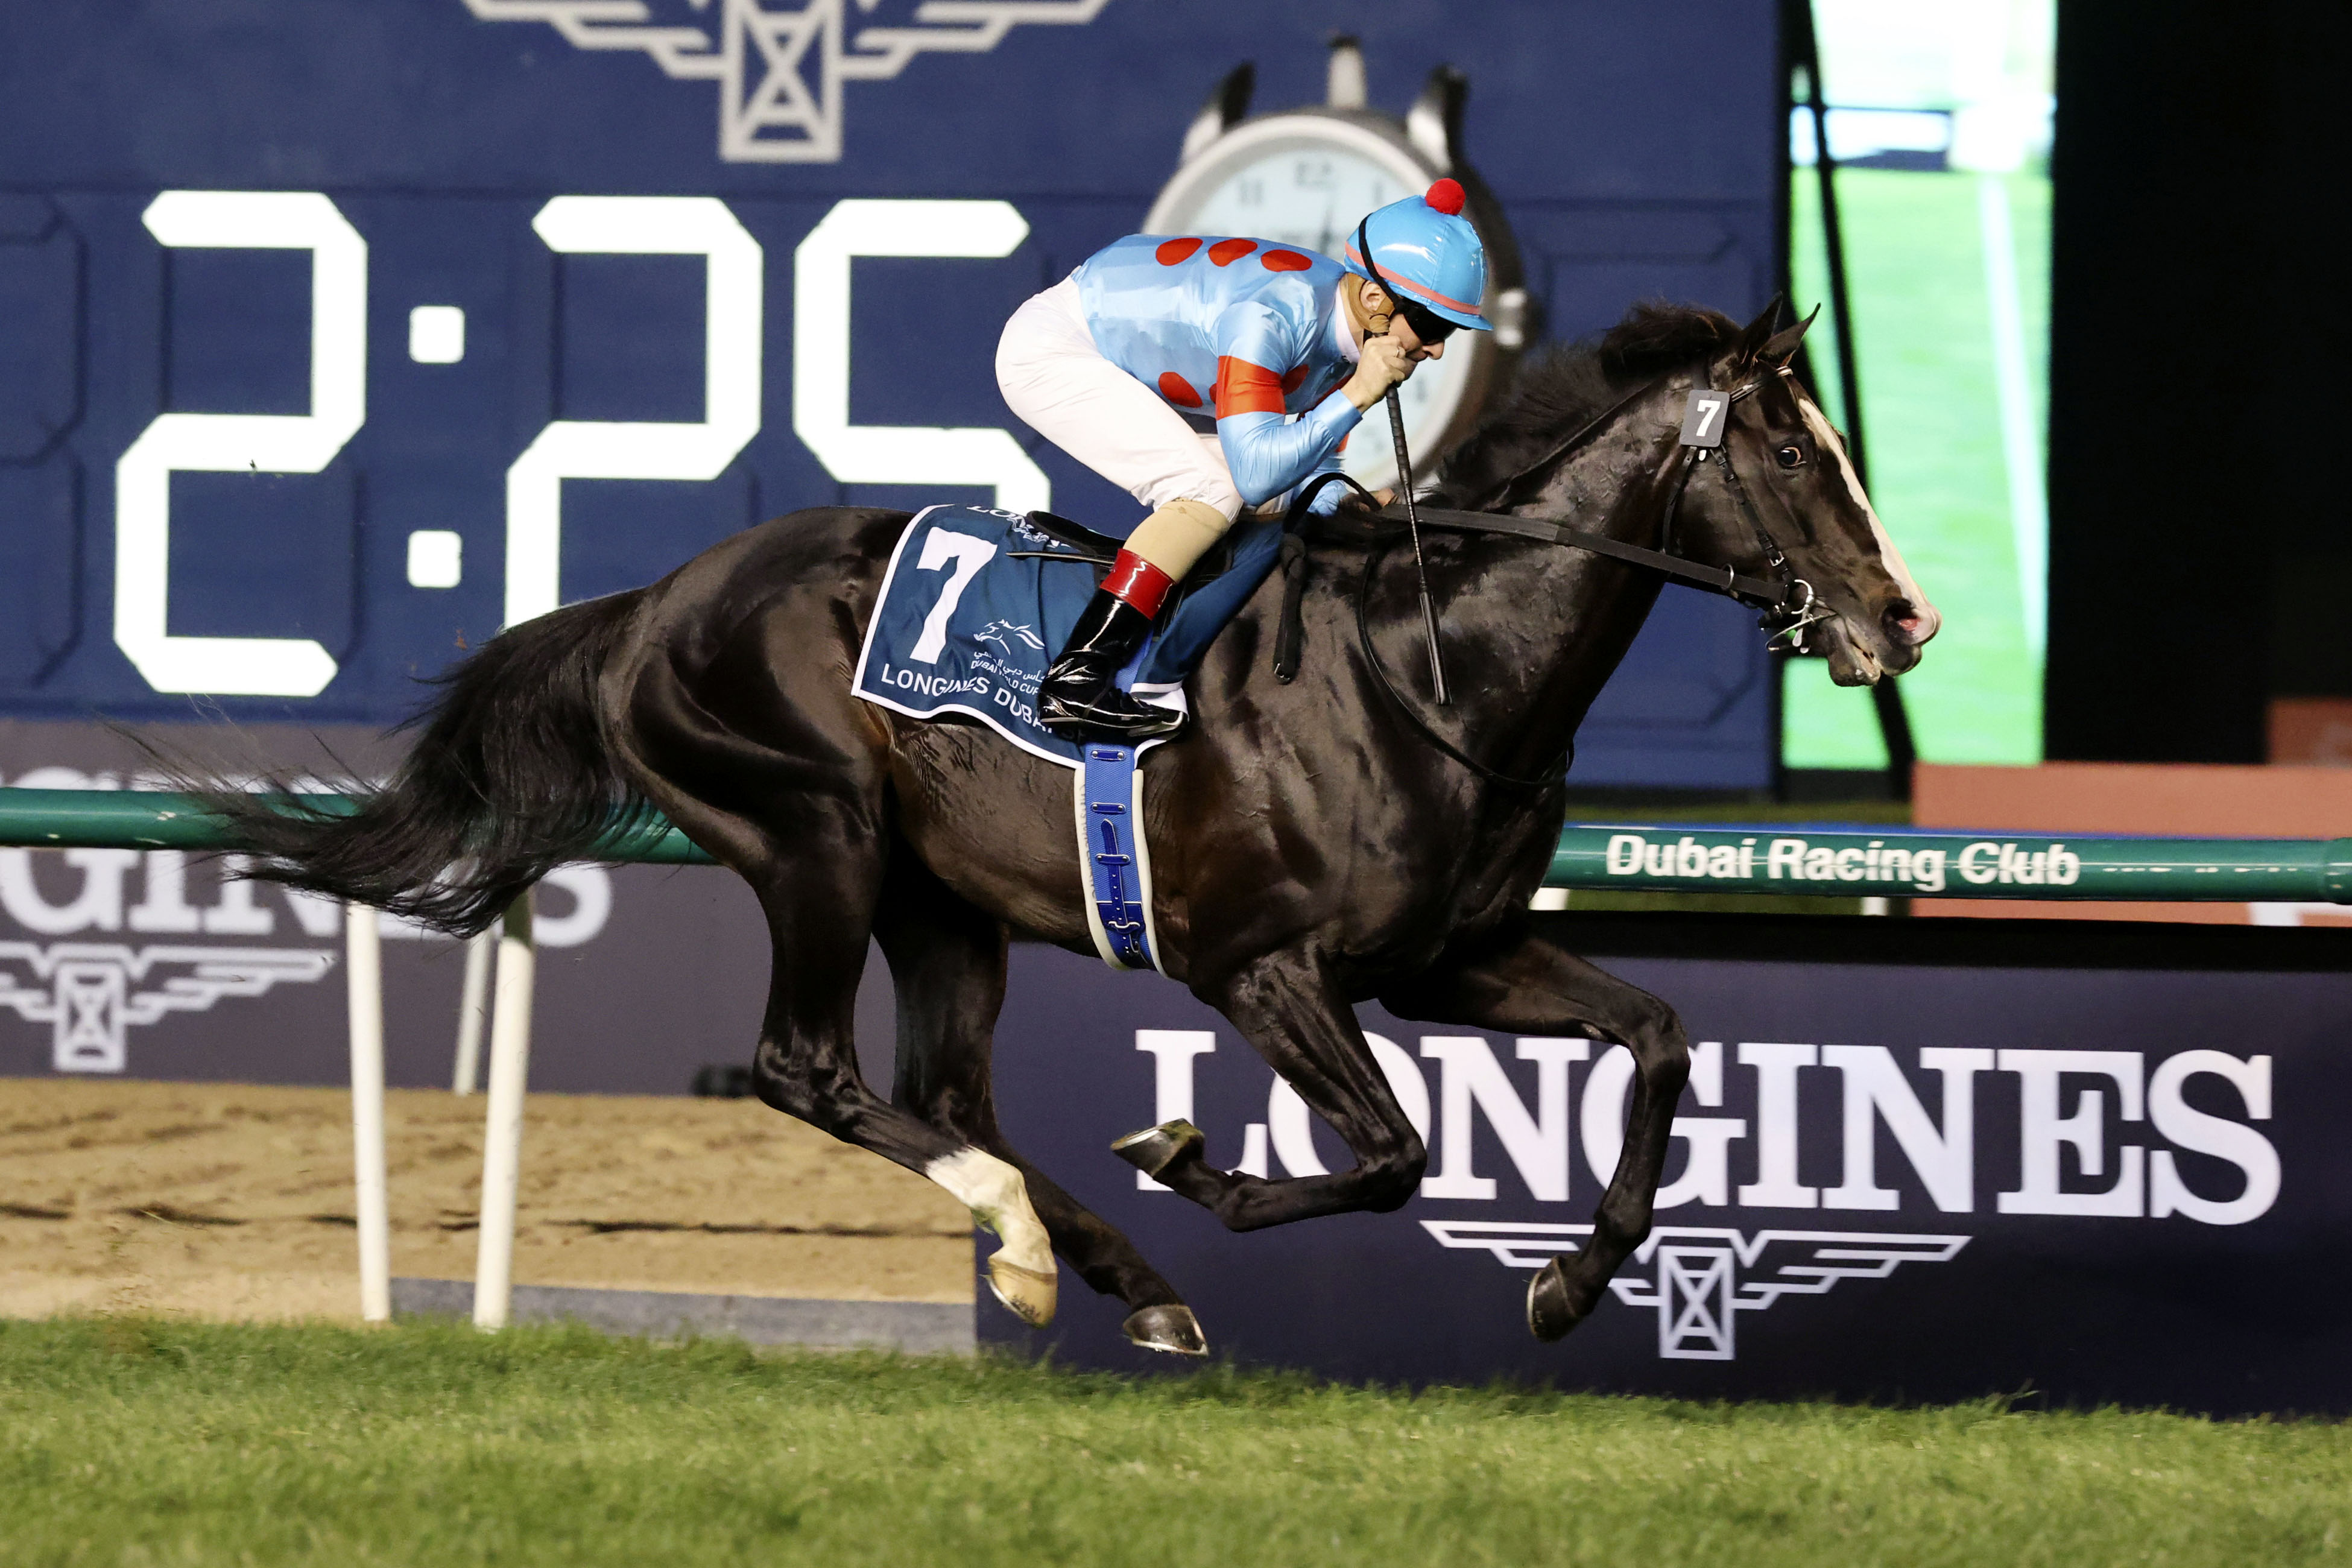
231,1201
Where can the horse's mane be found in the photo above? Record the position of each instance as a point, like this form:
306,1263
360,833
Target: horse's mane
1560,388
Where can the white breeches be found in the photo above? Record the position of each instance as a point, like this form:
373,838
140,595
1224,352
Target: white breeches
1053,376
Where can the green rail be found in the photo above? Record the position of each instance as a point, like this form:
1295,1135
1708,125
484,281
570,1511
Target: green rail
1887,862
144,820
1903,863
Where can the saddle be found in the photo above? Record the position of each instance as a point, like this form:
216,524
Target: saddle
974,602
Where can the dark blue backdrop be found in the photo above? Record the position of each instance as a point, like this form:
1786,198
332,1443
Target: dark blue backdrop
2085,1283
1633,160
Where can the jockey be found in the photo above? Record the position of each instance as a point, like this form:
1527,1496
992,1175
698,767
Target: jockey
1207,375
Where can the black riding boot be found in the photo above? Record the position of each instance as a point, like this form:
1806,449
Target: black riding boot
1080,700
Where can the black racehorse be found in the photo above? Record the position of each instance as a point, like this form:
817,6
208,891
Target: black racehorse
1316,842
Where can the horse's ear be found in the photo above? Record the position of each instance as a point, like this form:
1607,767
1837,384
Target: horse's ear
1781,346
1756,334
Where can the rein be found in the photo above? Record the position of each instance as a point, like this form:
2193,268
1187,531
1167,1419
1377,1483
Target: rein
1787,603
1755,592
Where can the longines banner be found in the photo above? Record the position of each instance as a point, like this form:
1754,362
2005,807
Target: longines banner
1889,1180
156,964
336,334
1956,1169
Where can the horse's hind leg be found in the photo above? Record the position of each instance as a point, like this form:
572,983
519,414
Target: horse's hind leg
947,962
817,882
735,722
1529,985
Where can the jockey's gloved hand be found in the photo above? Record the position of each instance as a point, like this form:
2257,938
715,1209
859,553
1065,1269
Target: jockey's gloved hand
1385,364
1331,498
1353,505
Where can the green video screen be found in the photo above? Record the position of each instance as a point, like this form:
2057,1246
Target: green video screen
1940,121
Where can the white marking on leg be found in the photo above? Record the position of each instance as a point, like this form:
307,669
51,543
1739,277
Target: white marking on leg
1825,437
999,1201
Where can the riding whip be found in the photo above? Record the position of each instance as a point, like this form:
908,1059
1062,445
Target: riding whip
1379,326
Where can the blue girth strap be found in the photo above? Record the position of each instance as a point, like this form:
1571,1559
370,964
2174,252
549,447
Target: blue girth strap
1117,864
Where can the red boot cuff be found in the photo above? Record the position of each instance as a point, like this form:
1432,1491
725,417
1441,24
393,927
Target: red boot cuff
1136,582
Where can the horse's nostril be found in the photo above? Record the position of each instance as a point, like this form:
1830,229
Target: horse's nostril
1904,624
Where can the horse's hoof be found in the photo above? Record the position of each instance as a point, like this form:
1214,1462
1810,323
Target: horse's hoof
1554,1306
1172,1328
1030,1295
1155,1149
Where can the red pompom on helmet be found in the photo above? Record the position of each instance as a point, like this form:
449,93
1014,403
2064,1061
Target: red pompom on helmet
1423,246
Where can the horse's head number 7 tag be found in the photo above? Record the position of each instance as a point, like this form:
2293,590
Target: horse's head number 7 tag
1704,420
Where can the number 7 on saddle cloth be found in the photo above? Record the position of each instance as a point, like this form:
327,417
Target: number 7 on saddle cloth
971,607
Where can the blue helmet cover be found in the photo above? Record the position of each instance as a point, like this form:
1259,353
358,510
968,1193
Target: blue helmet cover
1429,253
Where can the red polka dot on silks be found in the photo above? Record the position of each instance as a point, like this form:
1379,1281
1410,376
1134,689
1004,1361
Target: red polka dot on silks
1285,261
1225,252
1177,390
1447,196
1173,251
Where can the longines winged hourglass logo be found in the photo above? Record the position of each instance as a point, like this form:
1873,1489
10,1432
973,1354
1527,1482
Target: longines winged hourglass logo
1698,1290
780,70
92,993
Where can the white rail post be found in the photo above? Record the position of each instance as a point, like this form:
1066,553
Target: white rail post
363,985
473,1010
502,1137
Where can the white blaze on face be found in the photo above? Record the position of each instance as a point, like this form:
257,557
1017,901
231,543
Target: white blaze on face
1825,437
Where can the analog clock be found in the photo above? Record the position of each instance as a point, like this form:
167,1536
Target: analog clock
1305,177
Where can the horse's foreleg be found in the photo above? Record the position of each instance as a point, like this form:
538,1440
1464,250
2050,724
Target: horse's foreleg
1287,1007
947,962
1528,986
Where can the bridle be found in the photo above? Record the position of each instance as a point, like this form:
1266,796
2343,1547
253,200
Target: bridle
1786,603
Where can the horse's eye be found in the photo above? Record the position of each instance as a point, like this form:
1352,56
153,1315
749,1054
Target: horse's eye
1790,455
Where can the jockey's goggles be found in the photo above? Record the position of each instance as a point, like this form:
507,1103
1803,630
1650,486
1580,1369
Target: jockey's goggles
1427,324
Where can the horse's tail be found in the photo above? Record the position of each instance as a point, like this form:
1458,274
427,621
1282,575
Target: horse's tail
511,776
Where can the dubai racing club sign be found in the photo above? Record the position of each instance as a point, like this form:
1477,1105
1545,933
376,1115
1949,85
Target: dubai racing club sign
1902,861
1918,1180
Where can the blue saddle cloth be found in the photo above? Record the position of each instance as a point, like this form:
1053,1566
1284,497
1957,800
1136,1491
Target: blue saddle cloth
977,603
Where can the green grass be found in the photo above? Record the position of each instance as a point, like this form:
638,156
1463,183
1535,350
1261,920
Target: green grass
124,1442
1922,335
